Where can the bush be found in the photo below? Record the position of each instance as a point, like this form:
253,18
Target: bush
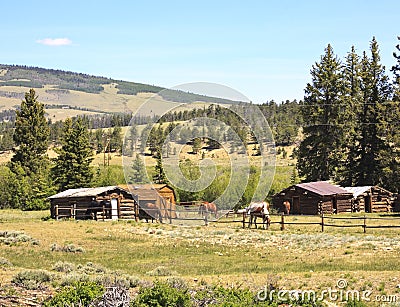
73,278
5,263
220,296
81,293
63,267
162,295
32,279
161,271
14,237
69,248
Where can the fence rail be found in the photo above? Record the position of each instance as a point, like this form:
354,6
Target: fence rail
191,213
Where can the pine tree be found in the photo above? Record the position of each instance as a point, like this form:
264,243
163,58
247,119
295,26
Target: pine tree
390,129
318,156
396,72
72,166
30,164
31,135
350,119
139,174
159,175
376,93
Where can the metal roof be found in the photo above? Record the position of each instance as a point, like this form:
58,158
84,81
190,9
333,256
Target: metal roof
357,191
84,192
323,188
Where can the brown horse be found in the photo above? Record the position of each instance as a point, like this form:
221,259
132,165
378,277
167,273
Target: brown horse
259,210
150,211
286,207
206,207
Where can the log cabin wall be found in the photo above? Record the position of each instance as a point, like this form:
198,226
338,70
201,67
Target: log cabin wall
308,202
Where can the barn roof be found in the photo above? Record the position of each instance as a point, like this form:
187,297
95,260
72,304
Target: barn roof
85,192
323,188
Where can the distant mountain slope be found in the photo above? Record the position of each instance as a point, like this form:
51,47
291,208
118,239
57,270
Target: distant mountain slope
60,84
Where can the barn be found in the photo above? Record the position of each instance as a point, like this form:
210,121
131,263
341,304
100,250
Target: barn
371,199
161,195
164,190
314,198
109,202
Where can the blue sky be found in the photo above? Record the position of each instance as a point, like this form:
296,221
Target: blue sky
263,49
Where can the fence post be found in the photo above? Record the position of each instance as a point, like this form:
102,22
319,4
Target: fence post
282,221
170,212
104,212
206,217
56,212
322,222
244,220
72,211
365,224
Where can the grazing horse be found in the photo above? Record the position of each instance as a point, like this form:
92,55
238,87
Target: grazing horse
150,211
286,207
259,210
208,207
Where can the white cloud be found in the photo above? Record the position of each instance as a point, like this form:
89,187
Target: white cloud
55,41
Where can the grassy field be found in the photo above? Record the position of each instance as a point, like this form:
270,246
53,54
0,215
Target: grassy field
301,257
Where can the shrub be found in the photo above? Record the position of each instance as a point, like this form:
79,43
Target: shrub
14,237
69,248
220,296
73,278
91,268
161,271
31,279
82,293
160,295
5,262
63,267
117,280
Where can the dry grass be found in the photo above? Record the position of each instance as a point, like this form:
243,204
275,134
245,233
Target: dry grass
300,257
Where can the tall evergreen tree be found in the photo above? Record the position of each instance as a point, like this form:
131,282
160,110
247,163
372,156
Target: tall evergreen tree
318,157
30,164
159,175
31,135
72,166
376,93
390,129
139,174
350,111
396,72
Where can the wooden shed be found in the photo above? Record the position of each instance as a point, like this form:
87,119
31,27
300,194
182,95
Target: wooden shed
109,202
314,198
161,195
371,199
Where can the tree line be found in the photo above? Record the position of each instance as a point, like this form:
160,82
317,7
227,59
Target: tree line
351,121
31,176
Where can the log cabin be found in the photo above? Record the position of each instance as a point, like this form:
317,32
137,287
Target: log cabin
314,198
371,199
109,202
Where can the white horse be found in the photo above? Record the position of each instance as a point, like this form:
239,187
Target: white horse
260,209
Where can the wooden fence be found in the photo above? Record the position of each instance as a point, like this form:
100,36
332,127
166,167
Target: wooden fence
324,221
190,213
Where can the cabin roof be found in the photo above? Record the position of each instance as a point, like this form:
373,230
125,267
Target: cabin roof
323,188
85,192
357,191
